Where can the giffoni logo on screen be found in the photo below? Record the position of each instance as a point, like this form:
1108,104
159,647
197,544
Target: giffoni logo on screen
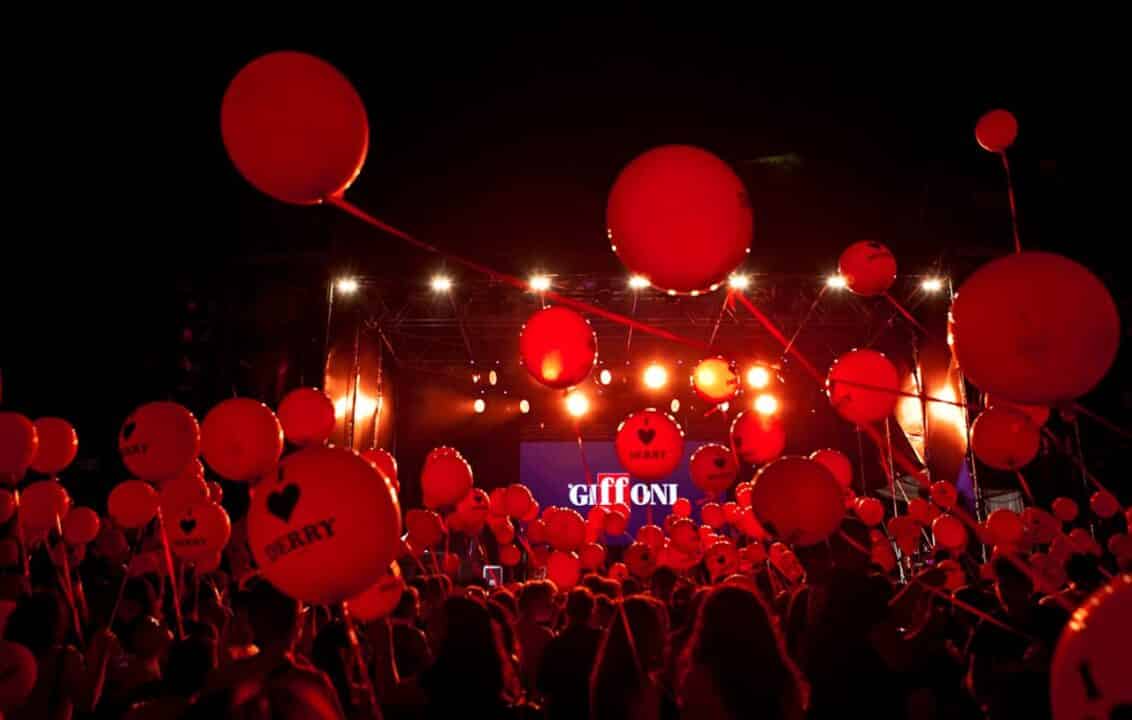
614,488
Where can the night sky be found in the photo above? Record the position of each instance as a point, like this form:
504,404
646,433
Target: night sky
499,144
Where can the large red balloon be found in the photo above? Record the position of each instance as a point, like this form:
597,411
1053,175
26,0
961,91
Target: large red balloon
446,477
714,380
307,416
863,386
558,347
649,444
18,444
241,439
380,599
158,440
798,500
294,127
42,504
713,468
58,445
132,503
996,130
563,568
1035,328
325,526
680,217
1089,675
1005,439
386,463
836,462
757,438
869,268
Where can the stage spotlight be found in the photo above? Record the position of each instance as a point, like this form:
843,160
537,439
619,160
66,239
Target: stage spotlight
492,377
479,406
638,282
674,406
441,283
655,376
540,283
605,377
347,285
835,282
766,404
758,377
524,407
577,404
932,284
739,282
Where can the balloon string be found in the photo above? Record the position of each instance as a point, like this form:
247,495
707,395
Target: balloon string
1085,471
632,314
719,319
359,662
20,535
68,585
907,315
519,283
172,575
773,330
805,320
1013,207
632,642
1106,424
1025,486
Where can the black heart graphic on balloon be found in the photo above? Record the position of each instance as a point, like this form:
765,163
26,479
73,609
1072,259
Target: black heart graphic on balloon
720,462
646,436
188,525
128,430
282,504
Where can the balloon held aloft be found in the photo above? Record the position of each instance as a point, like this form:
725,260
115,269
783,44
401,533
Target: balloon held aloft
798,500
307,416
996,130
757,438
58,445
445,478
1004,438
869,268
159,440
863,386
241,439
649,444
558,347
713,468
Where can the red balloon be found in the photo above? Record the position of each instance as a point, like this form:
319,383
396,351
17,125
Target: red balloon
596,516
713,468
7,506
42,504
731,512
882,555
294,127
1082,543
1005,439
721,559
532,513
949,533
1104,504
869,268
537,532
712,515
680,217
18,673
518,500
1004,527
215,492
996,130
649,444
1064,509
446,477
18,444
159,440
682,508
1035,328
836,462
558,347
565,529
498,502
379,599
241,439
1040,526
618,571
58,445
684,536
743,494
651,535
641,560
473,510
132,503
502,529
563,568
863,386
715,380
750,526
798,500
751,556
1038,414
198,531
1089,675
920,510
307,416
325,526
425,527
509,556
622,508
757,438
870,510
615,523
593,556
182,492
944,494
385,463
81,526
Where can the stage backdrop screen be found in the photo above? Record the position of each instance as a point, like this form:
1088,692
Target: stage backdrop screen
556,476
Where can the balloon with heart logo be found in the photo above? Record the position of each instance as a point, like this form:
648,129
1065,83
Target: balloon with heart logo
641,560
798,500
713,468
42,504
649,444
241,439
869,268
307,416
680,217
757,438
446,478
386,463
714,380
721,559
379,599
158,440
199,530
58,445
18,446
863,386
558,347
325,525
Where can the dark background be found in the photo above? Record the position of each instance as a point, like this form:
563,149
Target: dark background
129,226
